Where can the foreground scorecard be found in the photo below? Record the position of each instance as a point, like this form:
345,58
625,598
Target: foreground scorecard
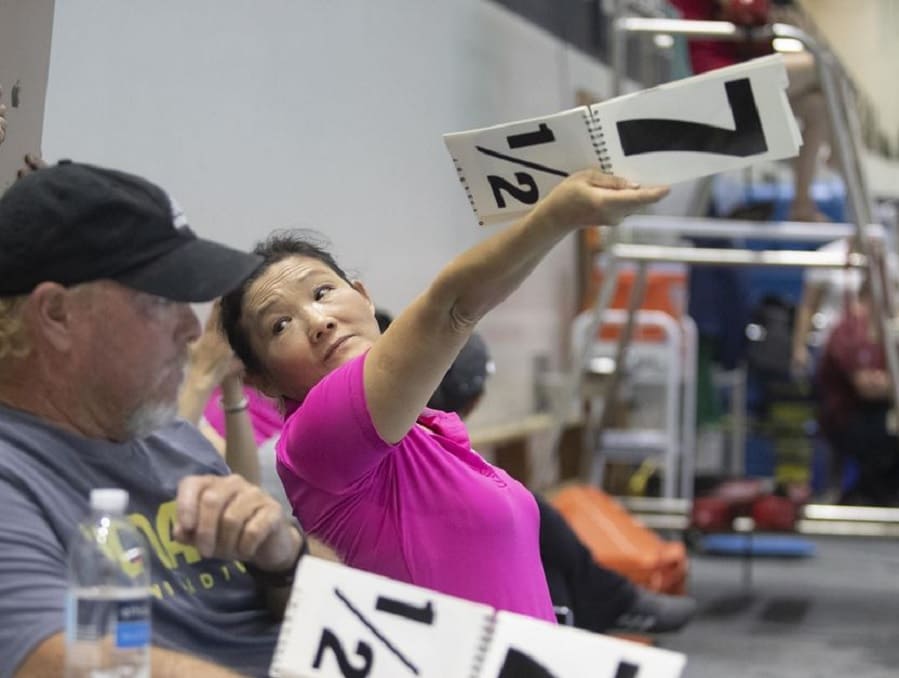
721,120
342,622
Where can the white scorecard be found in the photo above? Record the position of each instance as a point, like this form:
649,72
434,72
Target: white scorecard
720,120
522,647
343,623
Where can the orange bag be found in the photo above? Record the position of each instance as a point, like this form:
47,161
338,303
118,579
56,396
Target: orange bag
620,542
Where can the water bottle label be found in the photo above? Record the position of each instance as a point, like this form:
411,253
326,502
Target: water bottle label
133,624
91,618
71,618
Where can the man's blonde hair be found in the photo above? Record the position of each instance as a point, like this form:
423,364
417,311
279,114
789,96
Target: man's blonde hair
13,335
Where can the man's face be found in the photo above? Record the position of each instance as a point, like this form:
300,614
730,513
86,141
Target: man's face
132,349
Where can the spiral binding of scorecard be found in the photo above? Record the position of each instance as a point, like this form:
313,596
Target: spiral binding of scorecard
598,139
467,191
278,665
483,646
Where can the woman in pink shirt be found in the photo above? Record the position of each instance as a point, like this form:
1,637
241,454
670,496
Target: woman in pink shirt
392,486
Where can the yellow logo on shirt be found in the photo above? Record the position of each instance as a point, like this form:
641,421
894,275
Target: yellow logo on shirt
179,572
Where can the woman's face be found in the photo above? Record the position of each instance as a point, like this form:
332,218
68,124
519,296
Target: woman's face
303,321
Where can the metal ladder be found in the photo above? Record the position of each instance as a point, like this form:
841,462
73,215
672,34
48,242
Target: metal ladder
666,361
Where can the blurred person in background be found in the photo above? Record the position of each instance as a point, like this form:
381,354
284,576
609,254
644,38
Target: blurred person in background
857,413
804,89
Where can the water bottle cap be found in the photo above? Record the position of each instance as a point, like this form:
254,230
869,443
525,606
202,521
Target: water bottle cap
109,499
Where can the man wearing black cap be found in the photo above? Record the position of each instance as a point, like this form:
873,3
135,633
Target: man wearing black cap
97,269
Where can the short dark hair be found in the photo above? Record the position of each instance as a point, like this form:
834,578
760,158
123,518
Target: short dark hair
465,380
384,319
278,246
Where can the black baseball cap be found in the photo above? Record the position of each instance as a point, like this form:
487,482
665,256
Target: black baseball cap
73,223
465,379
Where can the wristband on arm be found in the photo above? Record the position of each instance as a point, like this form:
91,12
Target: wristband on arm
239,406
281,578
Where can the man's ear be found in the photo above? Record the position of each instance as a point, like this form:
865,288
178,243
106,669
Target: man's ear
360,288
51,314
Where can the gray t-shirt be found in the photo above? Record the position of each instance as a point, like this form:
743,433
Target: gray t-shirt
206,607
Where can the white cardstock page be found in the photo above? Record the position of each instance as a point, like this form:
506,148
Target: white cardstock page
342,622
345,622
721,120
523,646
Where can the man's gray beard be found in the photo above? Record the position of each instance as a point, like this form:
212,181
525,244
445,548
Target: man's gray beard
151,417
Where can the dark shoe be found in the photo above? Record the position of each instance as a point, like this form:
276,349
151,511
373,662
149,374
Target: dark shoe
656,613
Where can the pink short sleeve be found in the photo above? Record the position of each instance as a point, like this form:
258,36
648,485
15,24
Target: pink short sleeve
330,440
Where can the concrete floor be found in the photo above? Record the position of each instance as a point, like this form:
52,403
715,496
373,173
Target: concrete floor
834,614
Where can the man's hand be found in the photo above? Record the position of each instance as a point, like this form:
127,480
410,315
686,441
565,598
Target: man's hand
227,517
591,197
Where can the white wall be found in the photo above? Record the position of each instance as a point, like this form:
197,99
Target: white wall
324,114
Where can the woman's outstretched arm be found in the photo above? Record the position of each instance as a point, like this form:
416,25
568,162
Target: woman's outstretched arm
408,362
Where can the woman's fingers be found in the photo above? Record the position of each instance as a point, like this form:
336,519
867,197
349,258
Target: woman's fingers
592,197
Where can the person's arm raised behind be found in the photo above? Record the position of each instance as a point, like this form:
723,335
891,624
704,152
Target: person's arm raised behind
408,362
812,296
210,362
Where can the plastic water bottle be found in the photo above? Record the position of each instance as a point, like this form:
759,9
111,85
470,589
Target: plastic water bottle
108,605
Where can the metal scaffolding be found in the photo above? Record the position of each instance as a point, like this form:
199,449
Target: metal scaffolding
835,87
